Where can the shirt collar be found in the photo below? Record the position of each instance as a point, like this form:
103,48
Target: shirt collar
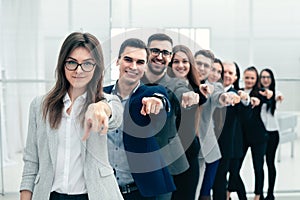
115,90
228,87
67,97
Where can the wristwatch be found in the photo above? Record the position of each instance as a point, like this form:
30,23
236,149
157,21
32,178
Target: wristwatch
163,100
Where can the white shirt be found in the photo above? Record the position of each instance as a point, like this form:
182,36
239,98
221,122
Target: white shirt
69,177
269,120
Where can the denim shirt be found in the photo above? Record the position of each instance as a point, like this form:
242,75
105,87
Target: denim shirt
116,152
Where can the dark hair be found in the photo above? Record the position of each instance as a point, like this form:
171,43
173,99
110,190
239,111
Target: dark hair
159,37
192,75
256,86
133,42
236,84
272,104
206,53
217,60
53,102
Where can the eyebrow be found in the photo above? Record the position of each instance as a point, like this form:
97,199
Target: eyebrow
88,59
138,60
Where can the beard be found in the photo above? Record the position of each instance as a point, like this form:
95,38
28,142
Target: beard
154,71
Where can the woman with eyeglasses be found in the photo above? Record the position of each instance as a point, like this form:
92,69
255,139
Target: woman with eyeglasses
60,160
255,133
268,115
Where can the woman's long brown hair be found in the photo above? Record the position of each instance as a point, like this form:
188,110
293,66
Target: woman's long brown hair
53,102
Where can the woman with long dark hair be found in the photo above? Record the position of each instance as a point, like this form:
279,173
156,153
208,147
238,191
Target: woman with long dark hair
255,133
268,115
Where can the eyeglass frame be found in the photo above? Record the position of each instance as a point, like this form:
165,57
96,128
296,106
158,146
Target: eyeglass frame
164,53
79,64
265,77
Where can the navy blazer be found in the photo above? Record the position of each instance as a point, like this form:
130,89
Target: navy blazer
253,128
147,166
231,138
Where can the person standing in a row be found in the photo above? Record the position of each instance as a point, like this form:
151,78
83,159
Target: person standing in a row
268,116
182,66
230,138
180,97
255,134
57,163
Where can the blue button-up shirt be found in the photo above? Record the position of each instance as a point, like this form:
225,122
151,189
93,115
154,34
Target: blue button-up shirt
116,152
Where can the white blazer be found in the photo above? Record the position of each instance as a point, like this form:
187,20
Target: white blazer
41,152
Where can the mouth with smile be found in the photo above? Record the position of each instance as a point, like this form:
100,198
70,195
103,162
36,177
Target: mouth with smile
131,73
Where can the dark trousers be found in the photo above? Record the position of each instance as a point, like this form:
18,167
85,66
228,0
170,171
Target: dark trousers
220,183
234,177
186,182
209,178
58,196
272,145
258,151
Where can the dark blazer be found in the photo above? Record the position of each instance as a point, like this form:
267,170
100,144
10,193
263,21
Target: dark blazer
231,138
252,125
168,138
147,166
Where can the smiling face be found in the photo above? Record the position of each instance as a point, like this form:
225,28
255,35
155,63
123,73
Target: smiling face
204,65
132,65
158,63
265,79
79,79
181,65
215,73
250,78
229,74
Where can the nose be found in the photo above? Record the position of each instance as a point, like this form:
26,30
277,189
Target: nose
200,66
159,56
133,65
79,69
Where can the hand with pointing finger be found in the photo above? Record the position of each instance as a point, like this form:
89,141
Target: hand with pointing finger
96,118
189,98
151,105
254,101
267,93
206,89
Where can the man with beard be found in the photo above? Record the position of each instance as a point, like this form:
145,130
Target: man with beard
160,46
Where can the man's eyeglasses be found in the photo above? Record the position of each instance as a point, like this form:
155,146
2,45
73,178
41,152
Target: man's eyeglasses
85,66
156,52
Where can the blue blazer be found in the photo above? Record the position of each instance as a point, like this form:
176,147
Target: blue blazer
147,166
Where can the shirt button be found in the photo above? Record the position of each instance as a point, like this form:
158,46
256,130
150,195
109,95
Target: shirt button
117,178
117,148
116,165
117,131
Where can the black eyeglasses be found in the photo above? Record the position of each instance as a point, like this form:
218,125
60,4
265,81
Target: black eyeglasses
156,52
267,77
85,66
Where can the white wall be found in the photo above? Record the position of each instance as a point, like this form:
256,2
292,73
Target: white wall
269,36
32,34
